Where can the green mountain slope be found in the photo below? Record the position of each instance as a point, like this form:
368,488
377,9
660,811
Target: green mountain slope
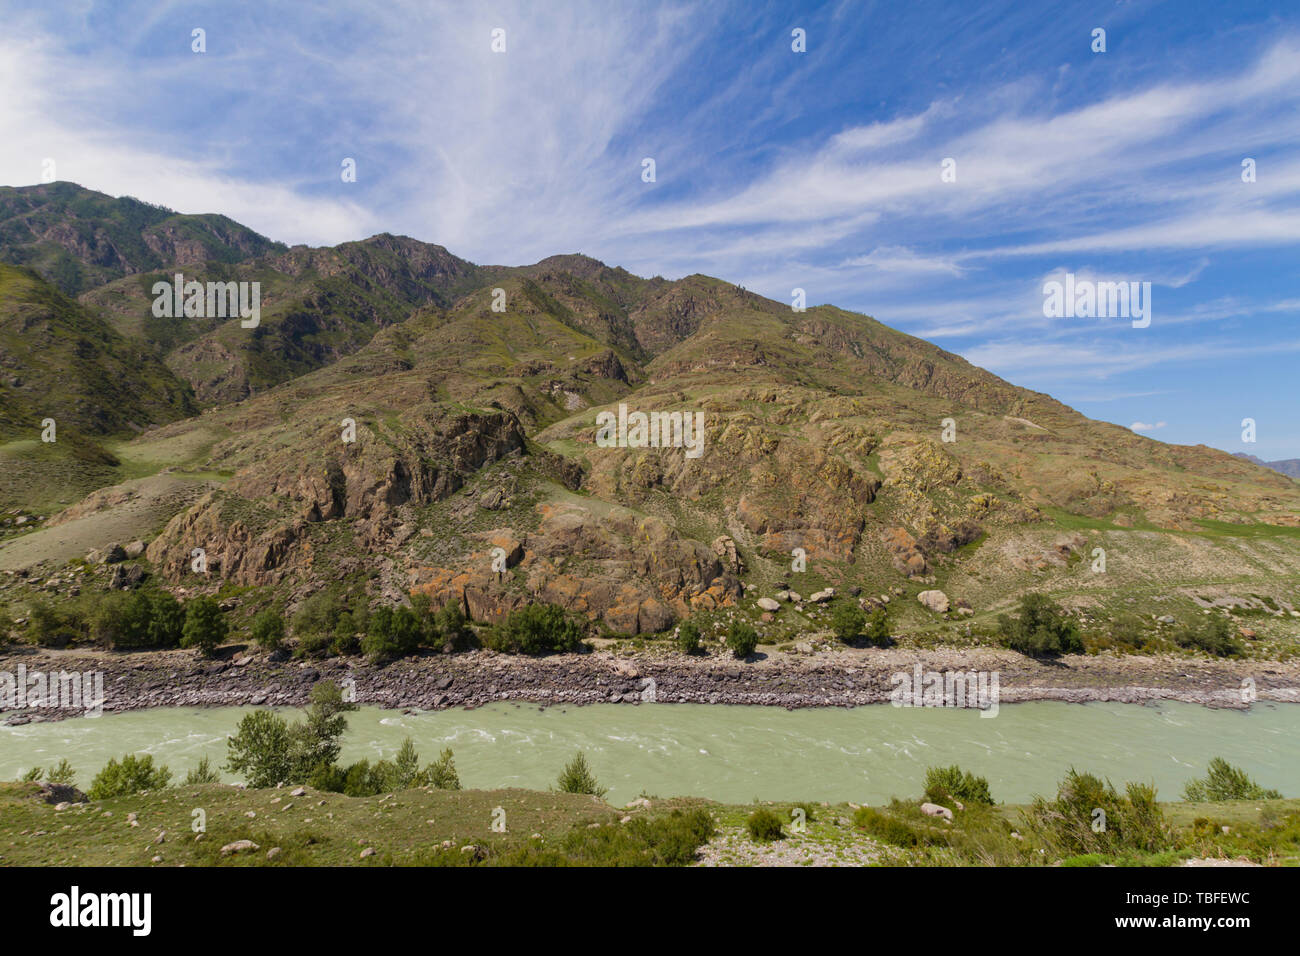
77,238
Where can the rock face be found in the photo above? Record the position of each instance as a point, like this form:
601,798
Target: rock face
936,601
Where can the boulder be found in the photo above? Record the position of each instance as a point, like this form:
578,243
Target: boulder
821,597
934,810
767,604
239,846
935,600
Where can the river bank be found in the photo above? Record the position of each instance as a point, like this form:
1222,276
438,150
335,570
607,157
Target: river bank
848,678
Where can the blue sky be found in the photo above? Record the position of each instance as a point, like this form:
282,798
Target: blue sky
774,169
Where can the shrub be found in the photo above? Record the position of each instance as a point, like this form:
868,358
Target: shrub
203,773
441,774
848,622
406,767
1089,816
63,773
51,626
888,828
764,826
688,637
166,620
267,629
138,619
205,625
946,785
877,628
741,639
133,775
1128,630
1042,629
1212,634
535,629
578,778
1226,782
453,627
393,632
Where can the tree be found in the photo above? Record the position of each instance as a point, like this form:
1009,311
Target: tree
576,777
203,773
262,750
317,740
267,629
393,632
741,639
1042,629
454,627
688,637
205,625
536,629
441,774
166,620
133,775
406,767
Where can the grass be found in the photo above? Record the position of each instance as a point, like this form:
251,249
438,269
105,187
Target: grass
430,827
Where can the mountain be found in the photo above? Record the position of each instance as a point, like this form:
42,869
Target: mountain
404,421
77,238
317,305
1287,466
60,361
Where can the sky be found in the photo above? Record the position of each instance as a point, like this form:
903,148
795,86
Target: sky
934,165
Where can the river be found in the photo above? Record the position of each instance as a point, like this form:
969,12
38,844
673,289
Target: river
739,753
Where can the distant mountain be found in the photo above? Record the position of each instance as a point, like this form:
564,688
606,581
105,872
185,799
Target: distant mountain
77,238
400,414
1287,466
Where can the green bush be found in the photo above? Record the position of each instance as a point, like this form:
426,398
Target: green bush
393,632
891,829
1129,631
1089,816
764,826
51,626
535,629
848,622
1212,634
741,639
267,629
1042,629
441,774
453,627
139,619
1226,782
576,777
205,625
688,637
203,773
132,775
946,785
